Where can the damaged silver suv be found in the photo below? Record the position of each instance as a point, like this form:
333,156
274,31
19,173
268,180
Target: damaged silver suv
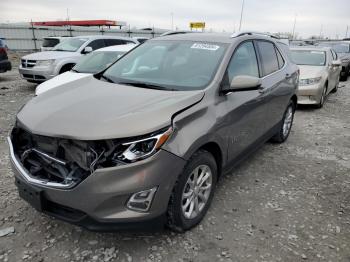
145,141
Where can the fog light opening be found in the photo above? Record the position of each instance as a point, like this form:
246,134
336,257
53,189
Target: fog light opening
142,201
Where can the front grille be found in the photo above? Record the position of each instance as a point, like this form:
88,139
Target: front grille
54,160
28,63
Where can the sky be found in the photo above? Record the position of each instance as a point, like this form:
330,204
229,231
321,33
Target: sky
313,17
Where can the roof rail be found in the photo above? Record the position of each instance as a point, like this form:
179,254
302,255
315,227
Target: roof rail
241,33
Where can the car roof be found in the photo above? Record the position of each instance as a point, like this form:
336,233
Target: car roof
311,48
212,37
104,37
115,48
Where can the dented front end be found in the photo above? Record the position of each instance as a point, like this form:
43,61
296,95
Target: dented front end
62,162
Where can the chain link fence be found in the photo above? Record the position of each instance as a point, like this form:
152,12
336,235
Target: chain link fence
29,38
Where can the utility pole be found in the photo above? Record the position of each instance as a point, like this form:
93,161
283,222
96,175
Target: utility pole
172,21
321,31
240,21
295,21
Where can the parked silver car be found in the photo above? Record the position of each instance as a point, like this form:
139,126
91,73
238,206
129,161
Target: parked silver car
41,66
146,140
319,73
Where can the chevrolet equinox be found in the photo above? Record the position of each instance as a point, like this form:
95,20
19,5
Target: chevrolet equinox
145,141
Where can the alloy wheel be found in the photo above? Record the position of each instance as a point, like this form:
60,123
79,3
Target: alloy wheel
288,120
196,191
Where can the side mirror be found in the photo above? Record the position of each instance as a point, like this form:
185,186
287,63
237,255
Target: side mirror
243,83
336,63
87,49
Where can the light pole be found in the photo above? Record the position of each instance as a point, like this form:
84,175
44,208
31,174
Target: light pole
240,21
172,21
295,21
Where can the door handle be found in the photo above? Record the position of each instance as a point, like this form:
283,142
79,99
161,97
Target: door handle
288,76
262,90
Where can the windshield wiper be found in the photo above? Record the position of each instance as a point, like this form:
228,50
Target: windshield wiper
107,78
146,85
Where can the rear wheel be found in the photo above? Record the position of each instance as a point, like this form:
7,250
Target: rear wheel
286,125
193,192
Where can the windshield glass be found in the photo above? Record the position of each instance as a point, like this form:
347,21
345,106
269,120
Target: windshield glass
70,45
176,65
338,47
97,61
308,57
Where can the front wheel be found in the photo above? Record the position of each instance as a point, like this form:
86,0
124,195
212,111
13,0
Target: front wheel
193,192
286,125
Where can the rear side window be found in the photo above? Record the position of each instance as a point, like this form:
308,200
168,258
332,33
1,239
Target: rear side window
110,42
97,44
50,42
243,62
268,56
279,58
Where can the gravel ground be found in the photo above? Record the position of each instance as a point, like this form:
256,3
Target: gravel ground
288,202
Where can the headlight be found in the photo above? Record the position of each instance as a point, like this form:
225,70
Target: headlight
44,62
143,148
309,81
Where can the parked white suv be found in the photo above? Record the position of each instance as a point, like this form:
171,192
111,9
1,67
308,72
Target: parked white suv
41,66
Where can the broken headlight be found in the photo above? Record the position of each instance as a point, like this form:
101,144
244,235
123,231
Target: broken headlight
143,148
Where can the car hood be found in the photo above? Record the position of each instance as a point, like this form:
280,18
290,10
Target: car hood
59,80
90,109
311,71
46,55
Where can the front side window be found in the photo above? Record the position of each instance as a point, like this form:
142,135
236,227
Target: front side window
110,42
97,44
268,57
70,45
309,57
96,61
243,62
176,65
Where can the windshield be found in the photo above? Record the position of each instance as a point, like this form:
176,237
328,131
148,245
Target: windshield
97,61
308,57
70,45
338,47
176,65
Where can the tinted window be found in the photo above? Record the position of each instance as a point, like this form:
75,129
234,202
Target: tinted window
243,62
309,57
50,42
97,44
179,65
110,42
280,59
2,43
142,40
268,57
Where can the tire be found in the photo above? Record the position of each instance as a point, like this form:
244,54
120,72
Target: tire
177,218
282,135
323,97
335,89
66,68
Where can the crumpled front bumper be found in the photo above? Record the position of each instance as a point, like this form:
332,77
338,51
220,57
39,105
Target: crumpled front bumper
99,201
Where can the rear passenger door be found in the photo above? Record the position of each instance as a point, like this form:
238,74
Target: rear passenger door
276,81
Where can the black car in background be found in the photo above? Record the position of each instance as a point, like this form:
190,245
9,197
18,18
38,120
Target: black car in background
342,48
5,64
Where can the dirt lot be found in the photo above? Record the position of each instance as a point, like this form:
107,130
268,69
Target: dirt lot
287,202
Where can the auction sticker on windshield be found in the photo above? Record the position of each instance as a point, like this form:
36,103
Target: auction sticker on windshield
205,46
